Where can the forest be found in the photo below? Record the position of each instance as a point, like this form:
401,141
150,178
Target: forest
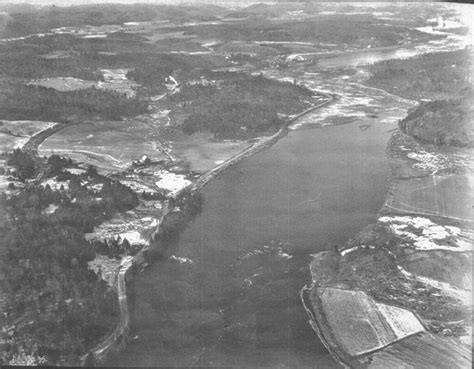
431,76
152,68
442,78
239,106
51,295
27,63
442,122
41,103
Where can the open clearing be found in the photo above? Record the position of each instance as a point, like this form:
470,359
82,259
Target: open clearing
114,80
203,153
444,196
377,325
9,142
108,145
15,133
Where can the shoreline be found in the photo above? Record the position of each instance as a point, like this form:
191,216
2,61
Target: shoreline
118,337
394,351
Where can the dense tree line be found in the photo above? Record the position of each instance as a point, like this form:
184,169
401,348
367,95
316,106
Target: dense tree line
40,103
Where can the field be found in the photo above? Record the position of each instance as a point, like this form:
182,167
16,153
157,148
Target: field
14,134
442,196
114,80
203,153
373,321
108,145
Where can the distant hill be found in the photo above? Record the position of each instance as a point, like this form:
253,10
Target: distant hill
22,20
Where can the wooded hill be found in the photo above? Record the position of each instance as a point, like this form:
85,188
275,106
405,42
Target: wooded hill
239,106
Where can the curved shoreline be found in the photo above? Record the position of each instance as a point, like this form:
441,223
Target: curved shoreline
119,336
422,348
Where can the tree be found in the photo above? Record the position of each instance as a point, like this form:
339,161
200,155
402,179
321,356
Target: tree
56,164
91,171
126,246
24,164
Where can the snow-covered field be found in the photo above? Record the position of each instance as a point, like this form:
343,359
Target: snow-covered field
433,162
423,234
172,182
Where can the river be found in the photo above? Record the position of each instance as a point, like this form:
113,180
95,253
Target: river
230,297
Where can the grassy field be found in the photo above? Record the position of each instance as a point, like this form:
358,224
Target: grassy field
114,80
447,196
108,145
203,153
16,133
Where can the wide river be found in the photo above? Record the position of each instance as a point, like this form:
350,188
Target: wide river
229,297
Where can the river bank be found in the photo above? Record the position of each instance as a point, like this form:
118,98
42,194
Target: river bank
119,336
408,276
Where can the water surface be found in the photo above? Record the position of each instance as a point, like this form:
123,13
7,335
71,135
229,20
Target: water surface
234,301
